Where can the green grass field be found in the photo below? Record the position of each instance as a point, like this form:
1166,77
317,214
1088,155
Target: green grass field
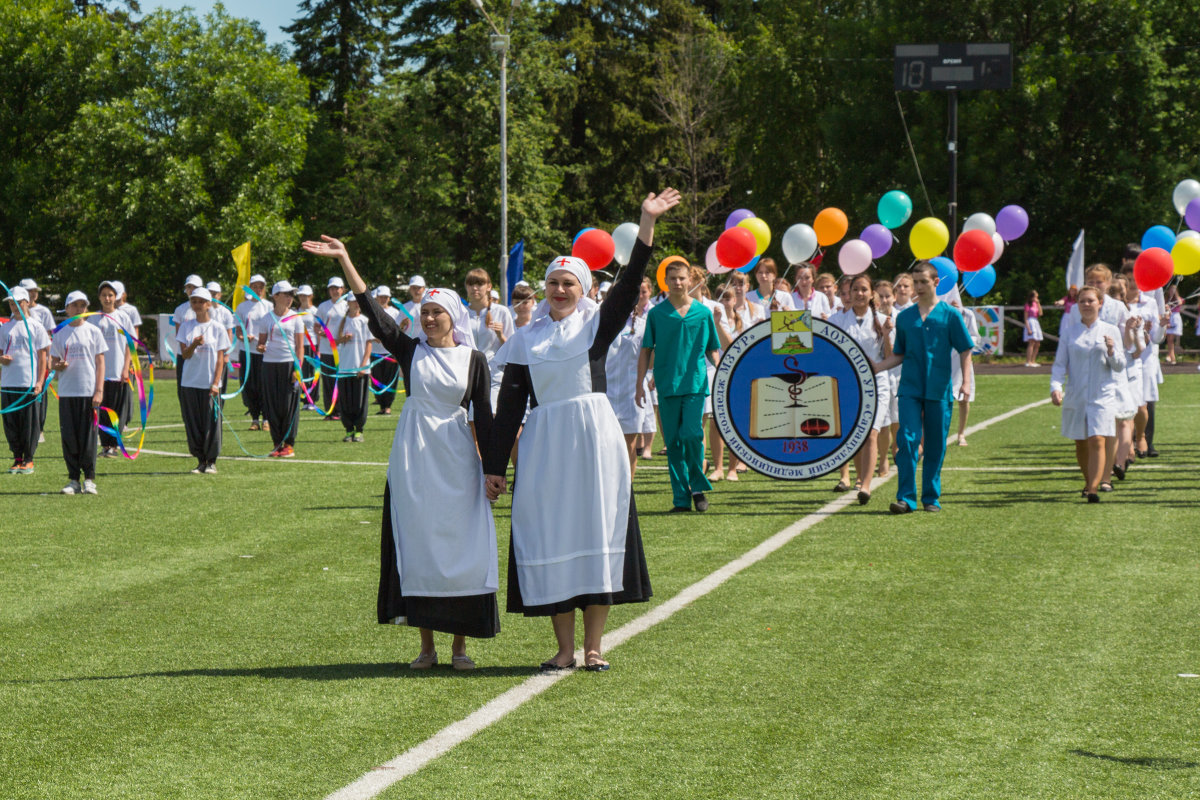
187,636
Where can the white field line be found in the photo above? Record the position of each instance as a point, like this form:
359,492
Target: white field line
264,458
381,777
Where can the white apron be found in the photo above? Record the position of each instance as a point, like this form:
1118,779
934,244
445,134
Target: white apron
441,521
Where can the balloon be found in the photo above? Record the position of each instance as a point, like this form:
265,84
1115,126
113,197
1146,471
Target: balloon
1186,255
854,257
1185,192
737,216
980,282
894,209
710,261
595,247
1191,214
1187,235
973,250
624,236
928,238
1153,269
735,247
582,231
980,221
661,274
831,225
762,233
947,273
879,238
750,267
799,243
1159,236
1011,222
998,244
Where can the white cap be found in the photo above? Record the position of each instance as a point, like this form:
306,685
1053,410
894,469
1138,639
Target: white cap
75,297
605,286
193,280
213,286
335,281
110,285
203,294
382,291
495,295
256,278
304,288
416,280
520,283
18,294
118,287
282,286
28,284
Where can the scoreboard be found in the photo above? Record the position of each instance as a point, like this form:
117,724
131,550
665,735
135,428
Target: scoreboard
953,67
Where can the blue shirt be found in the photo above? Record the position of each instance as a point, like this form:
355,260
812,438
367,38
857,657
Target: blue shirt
927,346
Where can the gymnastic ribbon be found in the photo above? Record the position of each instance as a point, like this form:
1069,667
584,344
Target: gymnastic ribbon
28,397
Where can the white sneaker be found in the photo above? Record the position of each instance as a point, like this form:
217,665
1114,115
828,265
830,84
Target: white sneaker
198,469
211,469
89,487
72,488
41,438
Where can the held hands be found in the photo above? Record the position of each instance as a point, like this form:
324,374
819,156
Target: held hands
262,348
495,485
1056,397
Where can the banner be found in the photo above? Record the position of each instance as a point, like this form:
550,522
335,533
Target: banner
989,331
241,259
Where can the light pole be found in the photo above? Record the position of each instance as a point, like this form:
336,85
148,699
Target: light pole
500,43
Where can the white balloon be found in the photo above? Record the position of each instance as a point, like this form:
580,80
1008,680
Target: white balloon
624,236
998,244
980,221
799,243
1187,234
1185,192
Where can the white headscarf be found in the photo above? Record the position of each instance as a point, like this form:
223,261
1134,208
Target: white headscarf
449,300
546,339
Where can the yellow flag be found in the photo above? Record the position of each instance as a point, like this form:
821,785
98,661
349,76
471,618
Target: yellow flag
241,259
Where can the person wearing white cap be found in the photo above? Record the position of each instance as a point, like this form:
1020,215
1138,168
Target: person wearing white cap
24,344
77,354
354,346
575,537
116,365
223,317
312,334
281,341
203,347
183,311
134,326
45,316
438,556
416,290
384,371
250,311
331,312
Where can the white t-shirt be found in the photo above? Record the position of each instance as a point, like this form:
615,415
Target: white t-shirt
817,303
308,318
415,323
331,314
182,313
782,298
78,345
486,339
14,343
201,367
377,348
130,311
350,354
111,326
44,316
249,312
279,349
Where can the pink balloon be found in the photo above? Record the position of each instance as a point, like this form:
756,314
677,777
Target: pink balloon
710,261
854,257
998,242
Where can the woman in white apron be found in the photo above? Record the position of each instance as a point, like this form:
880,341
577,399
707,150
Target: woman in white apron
438,559
575,537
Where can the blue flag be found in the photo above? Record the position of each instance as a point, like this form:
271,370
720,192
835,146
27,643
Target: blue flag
516,268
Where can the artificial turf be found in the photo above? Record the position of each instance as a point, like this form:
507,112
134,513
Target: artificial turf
213,636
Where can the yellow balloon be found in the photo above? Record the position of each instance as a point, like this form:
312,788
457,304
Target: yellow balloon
1186,254
928,238
762,233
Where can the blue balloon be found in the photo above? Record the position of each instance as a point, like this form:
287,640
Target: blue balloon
980,282
582,231
750,267
1158,236
947,273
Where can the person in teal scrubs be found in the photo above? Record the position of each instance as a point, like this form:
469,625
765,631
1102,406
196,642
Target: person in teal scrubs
680,334
927,335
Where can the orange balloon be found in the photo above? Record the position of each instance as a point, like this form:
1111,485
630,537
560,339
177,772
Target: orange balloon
831,225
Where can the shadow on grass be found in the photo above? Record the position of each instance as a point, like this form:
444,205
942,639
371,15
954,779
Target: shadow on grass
1153,762
309,672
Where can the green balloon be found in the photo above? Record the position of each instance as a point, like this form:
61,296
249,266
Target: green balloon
894,209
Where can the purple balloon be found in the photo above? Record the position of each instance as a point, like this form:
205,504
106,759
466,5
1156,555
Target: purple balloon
1191,214
1011,222
737,216
878,238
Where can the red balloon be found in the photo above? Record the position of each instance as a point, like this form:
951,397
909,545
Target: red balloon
735,247
595,247
1153,269
973,251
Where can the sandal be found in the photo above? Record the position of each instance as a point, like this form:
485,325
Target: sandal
1106,486
424,661
462,662
716,475
551,666
841,487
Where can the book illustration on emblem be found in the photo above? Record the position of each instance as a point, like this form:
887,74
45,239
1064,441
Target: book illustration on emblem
794,405
791,332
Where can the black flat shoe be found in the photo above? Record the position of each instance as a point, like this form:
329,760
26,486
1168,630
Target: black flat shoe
900,508
1093,498
864,498
1152,452
1106,487
933,508
1140,453
679,509
701,502
1119,471
550,666
841,487
598,667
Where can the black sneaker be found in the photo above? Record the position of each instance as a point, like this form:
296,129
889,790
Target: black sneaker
678,509
900,508
932,507
700,501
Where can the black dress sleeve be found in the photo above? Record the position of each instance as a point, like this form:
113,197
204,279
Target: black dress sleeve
479,394
510,411
385,329
621,298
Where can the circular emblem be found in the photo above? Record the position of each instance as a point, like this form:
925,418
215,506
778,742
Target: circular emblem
794,397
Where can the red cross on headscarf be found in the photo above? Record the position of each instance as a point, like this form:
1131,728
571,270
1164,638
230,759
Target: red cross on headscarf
562,262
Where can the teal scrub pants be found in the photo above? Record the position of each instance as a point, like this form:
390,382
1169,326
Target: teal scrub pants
683,430
931,419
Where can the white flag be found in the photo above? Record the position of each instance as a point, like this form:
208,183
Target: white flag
1075,263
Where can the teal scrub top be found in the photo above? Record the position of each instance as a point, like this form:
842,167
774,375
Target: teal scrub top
927,346
680,344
